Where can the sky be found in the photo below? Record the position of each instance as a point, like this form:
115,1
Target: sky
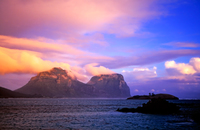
154,44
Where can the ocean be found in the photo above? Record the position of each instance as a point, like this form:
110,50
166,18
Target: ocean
90,114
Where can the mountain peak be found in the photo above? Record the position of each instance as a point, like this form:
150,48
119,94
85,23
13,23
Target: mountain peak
57,70
114,76
56,73
110,85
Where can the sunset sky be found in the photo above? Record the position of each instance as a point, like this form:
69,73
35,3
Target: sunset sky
154,44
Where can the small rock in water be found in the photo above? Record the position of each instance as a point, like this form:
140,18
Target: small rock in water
154,106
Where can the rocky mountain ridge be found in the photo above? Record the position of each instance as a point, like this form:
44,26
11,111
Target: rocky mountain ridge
60,83
112,85
56,83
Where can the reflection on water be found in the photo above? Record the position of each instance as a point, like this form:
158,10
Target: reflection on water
83,114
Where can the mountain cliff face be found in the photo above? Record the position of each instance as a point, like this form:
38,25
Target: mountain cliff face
112,85
57,83
60,83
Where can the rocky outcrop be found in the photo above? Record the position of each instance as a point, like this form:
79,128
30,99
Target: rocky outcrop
112,85
152,96
60,83
57,83
154,106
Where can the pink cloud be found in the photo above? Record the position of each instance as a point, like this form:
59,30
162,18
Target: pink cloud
136,90
93,70
38,45
80,73
122,18
54,50
140,73
195,62
183,68
146,58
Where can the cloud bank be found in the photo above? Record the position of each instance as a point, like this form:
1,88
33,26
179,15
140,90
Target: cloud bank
191,68
93,70
140,73
76,17
149,57
18,61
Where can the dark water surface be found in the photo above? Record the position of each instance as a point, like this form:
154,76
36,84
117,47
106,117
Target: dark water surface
84,114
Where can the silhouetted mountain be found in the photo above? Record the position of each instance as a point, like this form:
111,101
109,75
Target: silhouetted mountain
60,83
112,85
57,83
6,93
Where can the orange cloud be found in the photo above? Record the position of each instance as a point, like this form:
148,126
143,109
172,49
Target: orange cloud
92,70
17,61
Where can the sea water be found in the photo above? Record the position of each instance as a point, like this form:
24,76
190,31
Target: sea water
85,114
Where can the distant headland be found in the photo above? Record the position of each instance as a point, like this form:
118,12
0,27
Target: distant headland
152,96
